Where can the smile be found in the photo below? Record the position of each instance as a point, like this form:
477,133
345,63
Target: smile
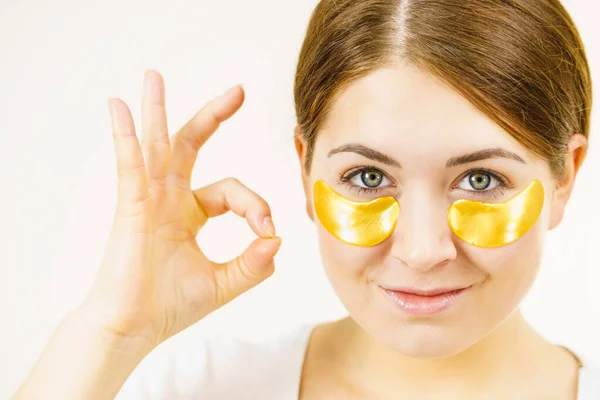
423,304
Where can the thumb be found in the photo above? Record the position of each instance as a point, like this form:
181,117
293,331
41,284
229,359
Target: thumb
248,269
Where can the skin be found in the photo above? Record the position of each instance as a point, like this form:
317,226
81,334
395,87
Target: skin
473,348
155,281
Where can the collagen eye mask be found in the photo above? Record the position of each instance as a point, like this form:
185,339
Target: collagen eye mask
497,224
477,223
355,223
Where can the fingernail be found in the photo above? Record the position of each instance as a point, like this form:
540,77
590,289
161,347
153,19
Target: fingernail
116,118
111,110
146,82
268,227
152,91
278,241
227,93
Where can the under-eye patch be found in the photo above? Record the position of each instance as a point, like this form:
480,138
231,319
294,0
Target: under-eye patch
497,224
477,223
355,223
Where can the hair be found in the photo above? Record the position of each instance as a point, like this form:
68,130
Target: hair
521,62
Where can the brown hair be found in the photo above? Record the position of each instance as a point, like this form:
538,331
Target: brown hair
521,62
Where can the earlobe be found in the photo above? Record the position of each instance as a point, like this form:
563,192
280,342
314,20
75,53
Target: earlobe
576,153
301,146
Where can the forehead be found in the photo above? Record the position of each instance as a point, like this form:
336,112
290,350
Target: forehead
400,107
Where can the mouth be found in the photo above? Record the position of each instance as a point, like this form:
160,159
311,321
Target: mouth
424,302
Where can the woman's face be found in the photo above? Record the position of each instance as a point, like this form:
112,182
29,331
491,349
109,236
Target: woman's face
400,132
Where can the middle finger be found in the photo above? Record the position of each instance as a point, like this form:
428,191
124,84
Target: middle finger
155,136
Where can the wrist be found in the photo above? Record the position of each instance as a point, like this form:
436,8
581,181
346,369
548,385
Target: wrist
83,360
83,322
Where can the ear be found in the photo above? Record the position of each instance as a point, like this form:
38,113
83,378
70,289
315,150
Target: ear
301,147
576,153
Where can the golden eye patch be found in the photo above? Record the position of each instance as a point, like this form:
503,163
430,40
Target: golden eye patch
355,223
477,223
497,224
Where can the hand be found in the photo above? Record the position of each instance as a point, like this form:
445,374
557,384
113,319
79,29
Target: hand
154,279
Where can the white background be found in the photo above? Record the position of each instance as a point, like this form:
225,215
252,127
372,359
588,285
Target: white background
62,60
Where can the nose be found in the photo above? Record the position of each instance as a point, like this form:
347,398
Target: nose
422,239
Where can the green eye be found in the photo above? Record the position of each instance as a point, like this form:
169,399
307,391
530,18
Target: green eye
371,178
480,181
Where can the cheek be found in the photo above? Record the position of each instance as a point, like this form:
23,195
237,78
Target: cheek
348,268
510,270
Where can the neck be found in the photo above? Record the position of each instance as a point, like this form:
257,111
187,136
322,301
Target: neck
511,352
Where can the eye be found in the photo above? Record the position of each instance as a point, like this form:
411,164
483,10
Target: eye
369,178
366,180
479,181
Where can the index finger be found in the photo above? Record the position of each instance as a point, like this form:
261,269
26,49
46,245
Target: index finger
197,130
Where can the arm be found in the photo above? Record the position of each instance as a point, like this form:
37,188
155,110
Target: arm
81,361
154,280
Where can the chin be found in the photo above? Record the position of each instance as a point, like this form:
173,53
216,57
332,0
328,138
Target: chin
427,341
435,336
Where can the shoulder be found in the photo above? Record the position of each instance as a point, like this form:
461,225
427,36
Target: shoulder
589,378
190,367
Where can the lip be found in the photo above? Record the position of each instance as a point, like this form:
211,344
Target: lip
430,292
423,302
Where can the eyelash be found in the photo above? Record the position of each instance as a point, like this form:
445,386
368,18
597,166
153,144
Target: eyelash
503,183
345,178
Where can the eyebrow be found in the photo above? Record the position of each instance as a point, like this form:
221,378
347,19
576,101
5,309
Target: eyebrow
376,155
365,152
482,155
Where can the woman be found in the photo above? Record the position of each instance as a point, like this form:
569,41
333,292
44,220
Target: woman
439,140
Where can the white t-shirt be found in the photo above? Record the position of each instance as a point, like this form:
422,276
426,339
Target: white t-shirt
224,369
